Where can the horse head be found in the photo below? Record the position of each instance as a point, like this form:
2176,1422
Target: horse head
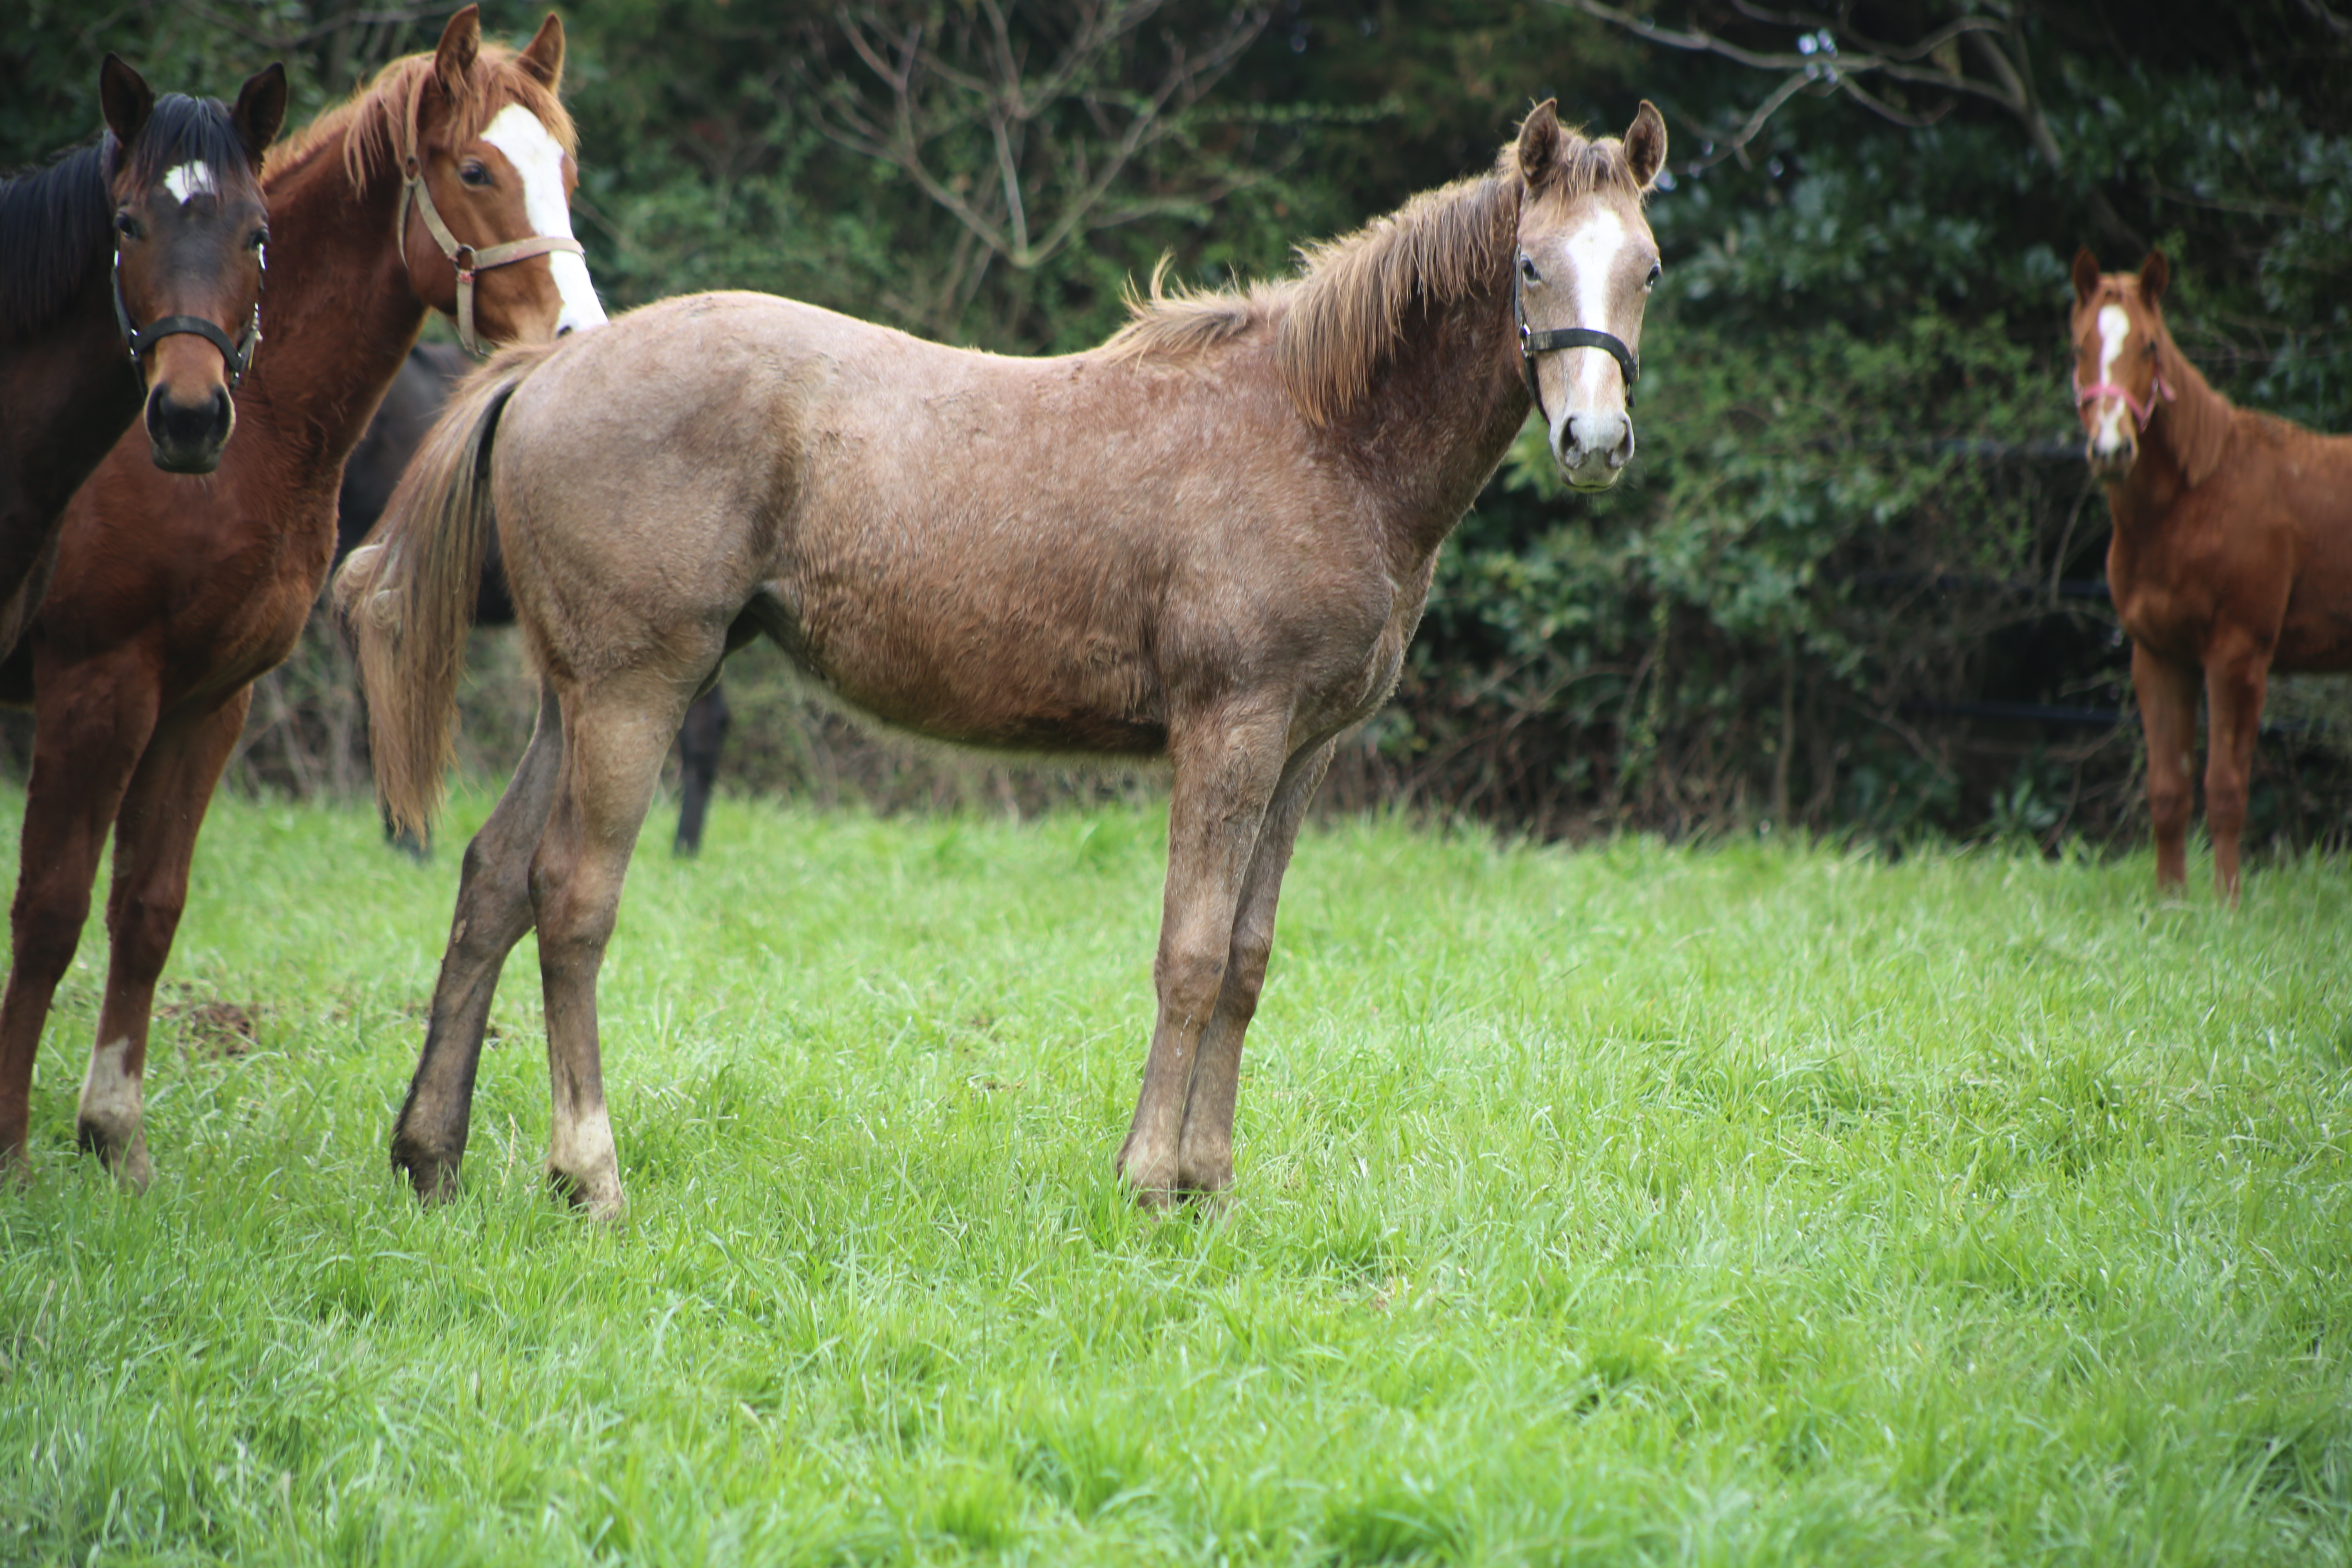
2118,358
489,171
1582,274
189,232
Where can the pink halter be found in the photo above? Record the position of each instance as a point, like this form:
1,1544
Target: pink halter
2142,411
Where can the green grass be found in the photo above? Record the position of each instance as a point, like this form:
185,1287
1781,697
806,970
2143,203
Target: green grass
1635,1204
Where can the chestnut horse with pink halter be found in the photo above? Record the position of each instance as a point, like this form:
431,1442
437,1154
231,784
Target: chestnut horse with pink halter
2231,555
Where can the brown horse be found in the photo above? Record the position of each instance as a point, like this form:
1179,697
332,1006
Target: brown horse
2231,554
144,245
167,602
1209,539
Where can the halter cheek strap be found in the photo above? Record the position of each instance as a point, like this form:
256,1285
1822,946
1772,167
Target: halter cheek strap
141,340
2142,411
1551,339
468,259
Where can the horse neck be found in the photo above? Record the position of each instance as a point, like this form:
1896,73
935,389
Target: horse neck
1443,408
2183,444
344,316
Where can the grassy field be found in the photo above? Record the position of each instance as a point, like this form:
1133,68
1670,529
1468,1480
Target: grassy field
1634,1204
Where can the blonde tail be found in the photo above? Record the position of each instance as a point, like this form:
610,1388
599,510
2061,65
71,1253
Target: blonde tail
407,593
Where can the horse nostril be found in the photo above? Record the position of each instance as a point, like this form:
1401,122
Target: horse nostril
564,332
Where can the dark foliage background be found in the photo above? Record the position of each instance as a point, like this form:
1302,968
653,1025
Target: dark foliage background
1856,543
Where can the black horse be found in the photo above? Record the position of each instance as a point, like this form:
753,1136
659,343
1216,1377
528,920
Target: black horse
407,412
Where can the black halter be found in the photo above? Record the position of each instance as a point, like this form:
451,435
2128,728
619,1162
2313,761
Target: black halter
141,340
1553,339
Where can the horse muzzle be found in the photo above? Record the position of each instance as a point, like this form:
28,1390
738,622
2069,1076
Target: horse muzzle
2110,457
1593,448
188,437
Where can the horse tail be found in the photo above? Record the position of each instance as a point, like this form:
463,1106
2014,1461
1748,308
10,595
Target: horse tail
407,593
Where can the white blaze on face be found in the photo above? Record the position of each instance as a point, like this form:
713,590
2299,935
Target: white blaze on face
2115,330
186,180
517,132
1593,259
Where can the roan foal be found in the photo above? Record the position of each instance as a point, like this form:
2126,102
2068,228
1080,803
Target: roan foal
1209,539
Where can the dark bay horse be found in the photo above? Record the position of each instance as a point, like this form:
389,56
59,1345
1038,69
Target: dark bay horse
2231,554
1209,539
408,410
129,278
168,601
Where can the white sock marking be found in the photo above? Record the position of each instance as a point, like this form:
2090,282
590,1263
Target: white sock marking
517,132
187,180
111,1095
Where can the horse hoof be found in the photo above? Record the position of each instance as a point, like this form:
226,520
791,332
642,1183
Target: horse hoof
125,1156
597,1197
434,1177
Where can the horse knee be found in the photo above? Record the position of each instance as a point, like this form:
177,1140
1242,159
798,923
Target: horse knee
46,928
1190,979
141,929
2167,806
1245,976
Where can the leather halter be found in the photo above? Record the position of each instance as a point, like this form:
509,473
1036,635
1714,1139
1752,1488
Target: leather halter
2142,411
1551,339
141,340
468,259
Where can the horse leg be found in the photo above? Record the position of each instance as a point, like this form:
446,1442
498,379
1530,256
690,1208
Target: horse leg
2167,715
619,732
154,842
85,748
1227,773
1205,1151
699,739
2234,687
428,1141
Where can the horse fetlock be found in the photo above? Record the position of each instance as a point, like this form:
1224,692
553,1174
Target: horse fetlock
1206,1163
1152,1175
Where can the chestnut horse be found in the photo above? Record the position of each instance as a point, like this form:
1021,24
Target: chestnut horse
168,601
2231,555
1209,539
143,247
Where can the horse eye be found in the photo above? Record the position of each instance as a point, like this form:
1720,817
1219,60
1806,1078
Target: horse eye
261,238
1655,272
1529,268
474,172
128,226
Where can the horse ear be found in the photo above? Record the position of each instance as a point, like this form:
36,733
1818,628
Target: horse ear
261,110
2087,273
1645,144
1539,142
461,41
2154,276
125,96
543,56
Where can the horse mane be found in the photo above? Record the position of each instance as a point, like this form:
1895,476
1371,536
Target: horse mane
1340,318
380,120
2198,418
56,222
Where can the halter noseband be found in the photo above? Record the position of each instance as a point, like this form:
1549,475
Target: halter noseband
1551,339
141,340
468,259
2142,411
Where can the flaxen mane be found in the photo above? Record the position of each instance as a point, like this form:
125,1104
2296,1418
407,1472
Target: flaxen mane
1337,322
54,222
381,118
